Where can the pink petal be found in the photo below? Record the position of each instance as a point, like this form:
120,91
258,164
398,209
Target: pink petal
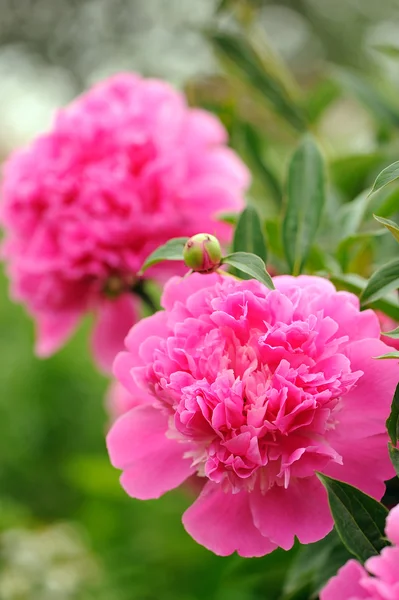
178,289
346,584
300,510
152,463
153,325
53,331
222,522
360,435
115,318
119,400
392,526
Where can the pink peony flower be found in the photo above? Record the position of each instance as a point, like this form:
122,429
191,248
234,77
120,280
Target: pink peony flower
126,167
255,390
354,582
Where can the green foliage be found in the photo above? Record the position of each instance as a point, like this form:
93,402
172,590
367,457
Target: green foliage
394,456
248,236
251,265
383,281
393,419
358,518
386,176
390,225
172,250
305,202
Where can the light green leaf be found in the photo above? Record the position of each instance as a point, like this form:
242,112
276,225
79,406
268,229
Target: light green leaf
305,202
387,175
248,235
246,63
358,518
388,49
390,225
394,334
172,250
393,354
383,281
253,147
393,419
394,456
250,264
375,102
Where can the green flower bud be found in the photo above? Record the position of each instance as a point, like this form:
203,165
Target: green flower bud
202,253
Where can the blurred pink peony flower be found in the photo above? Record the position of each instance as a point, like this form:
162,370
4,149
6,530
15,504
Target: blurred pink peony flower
354,582
255,390
126,167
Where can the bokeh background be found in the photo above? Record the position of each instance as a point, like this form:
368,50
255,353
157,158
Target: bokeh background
67,531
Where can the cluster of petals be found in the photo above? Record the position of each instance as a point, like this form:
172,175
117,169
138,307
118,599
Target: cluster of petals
377,580
126,167
254,391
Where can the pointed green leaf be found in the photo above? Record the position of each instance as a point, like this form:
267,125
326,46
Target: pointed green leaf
172,250
383,281
388,49
248,235
305,202
358,518
390,225
394,456
393,419
393,354
387,175
356,284
254,150
250,264
394,334
246,63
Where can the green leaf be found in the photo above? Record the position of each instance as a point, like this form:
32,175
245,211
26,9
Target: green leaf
253,147
390,225
248,235
305,202
394,456
387,175
250,264
246,63
388,49
172,250
359,519
393,419
375,102
356,284
393,354
383,281
394,334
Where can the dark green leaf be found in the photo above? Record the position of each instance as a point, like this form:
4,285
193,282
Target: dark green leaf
351,174
315,564
394,334
393,419
390,225
383,281
387,175
394,456
172,250
244,59
248,235
250,264
305,201
359,519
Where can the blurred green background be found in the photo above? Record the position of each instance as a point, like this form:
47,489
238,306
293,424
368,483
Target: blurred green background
67,531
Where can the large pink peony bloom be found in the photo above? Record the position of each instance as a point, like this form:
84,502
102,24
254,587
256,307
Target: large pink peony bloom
255,390
126,167
354,582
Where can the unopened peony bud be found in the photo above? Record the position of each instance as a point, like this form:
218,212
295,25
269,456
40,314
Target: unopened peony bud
202,253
